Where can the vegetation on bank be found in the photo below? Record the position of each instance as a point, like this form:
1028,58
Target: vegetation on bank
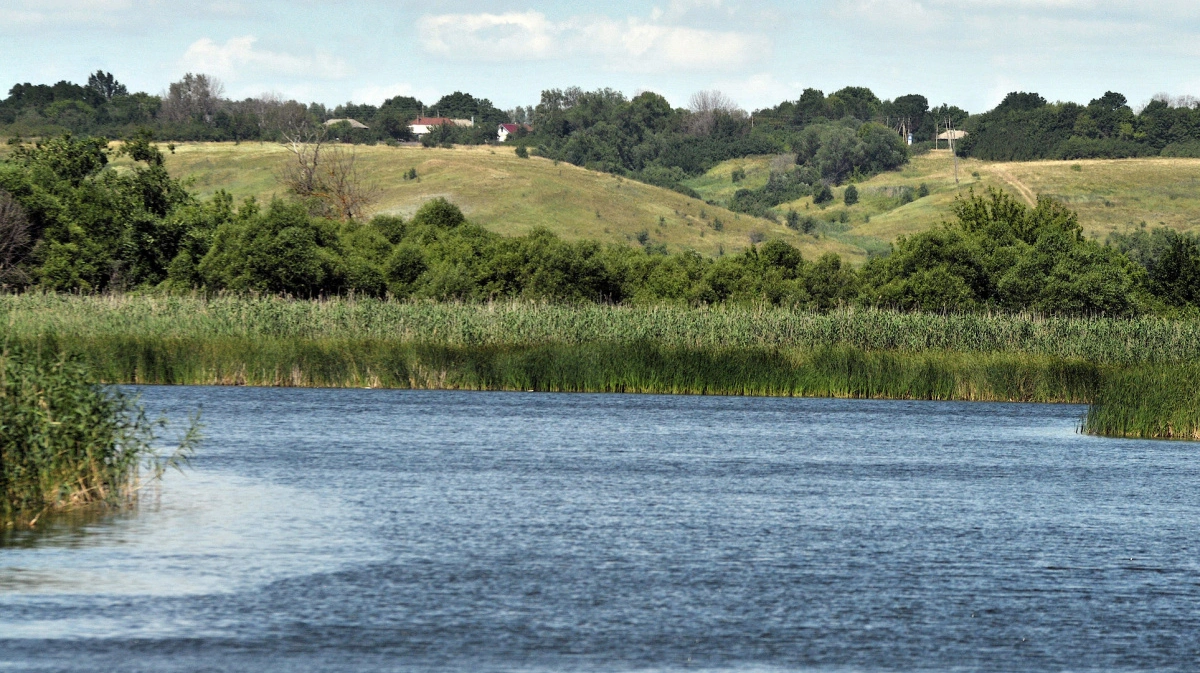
79,225
71,223
52,318
732,350
66,442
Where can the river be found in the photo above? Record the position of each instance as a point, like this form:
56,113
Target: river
371,530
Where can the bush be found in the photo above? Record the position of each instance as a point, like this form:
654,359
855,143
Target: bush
822,195
68,442
1189,149
851,195
522,152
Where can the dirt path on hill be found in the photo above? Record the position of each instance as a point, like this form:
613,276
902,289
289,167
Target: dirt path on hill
1022,189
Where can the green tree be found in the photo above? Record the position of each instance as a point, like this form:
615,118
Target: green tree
850,196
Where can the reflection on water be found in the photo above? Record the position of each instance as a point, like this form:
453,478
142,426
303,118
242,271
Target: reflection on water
203,533
388,530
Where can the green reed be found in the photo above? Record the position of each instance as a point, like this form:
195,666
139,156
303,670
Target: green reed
1147,402
344,342
66,442
1100,340
639,366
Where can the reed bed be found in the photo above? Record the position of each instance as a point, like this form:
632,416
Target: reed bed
1147,403
1097,340
642,367
1142,374
65,442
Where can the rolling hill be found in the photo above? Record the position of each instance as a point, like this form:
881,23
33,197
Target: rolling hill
1109,194
508,195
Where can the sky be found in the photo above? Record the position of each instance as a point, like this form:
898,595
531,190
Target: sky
968,53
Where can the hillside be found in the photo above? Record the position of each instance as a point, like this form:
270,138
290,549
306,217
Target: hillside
507,194
1108,194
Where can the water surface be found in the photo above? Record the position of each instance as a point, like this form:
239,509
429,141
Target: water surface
326,530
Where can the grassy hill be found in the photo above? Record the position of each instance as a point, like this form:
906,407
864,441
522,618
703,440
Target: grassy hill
507,194
1109,195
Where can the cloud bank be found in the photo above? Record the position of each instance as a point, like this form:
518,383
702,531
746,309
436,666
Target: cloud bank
632,44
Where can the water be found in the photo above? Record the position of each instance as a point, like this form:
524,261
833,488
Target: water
384,530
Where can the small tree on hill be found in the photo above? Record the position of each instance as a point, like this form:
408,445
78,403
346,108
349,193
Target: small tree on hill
851,195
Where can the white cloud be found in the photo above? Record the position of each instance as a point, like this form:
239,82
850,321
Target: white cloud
239,59
527,35
632,44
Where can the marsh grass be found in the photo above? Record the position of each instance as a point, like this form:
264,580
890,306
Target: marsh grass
1125,366
42,318
633,367
1147,403
67,443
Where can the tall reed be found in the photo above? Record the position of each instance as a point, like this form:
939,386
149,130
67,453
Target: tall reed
66,442
1147,403
1099,340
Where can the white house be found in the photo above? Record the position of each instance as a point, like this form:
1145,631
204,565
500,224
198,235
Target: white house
423,125
506,130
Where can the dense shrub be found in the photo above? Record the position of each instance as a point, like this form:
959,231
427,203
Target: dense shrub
66,442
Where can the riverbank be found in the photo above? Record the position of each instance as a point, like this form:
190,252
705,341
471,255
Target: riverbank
590,348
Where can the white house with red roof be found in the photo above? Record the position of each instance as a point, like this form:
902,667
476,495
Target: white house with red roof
506,130
422,125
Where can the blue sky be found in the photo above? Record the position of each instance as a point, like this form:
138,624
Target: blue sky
964,52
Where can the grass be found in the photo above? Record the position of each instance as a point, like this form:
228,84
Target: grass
1147,403
37,315
67,443
1108,194
1141,374
504,193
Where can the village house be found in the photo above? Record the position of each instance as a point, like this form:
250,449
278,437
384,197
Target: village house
354,123
506,130
423,125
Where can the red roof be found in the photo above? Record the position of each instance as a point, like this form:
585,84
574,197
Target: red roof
511,128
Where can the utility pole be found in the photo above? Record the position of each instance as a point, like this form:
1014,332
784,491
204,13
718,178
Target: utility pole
950,132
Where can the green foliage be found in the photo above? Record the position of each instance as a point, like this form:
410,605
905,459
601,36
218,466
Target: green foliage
96,229
1147,403
850,196
67,442
522,152
1000,254
1026,127
822,195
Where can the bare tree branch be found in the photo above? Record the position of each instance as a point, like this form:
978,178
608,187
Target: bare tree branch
14,238
704,107
328,176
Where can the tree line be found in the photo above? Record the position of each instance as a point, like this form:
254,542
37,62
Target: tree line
1025,127
69,222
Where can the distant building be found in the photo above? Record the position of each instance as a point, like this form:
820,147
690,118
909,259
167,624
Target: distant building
952,135
423,125
354,123
506,130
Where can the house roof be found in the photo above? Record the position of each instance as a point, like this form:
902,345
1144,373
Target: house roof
431,121
952,135
354,123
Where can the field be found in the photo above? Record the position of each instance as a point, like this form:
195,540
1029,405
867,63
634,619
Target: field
1109,195
505,194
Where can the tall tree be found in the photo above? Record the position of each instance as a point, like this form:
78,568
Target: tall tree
106,85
